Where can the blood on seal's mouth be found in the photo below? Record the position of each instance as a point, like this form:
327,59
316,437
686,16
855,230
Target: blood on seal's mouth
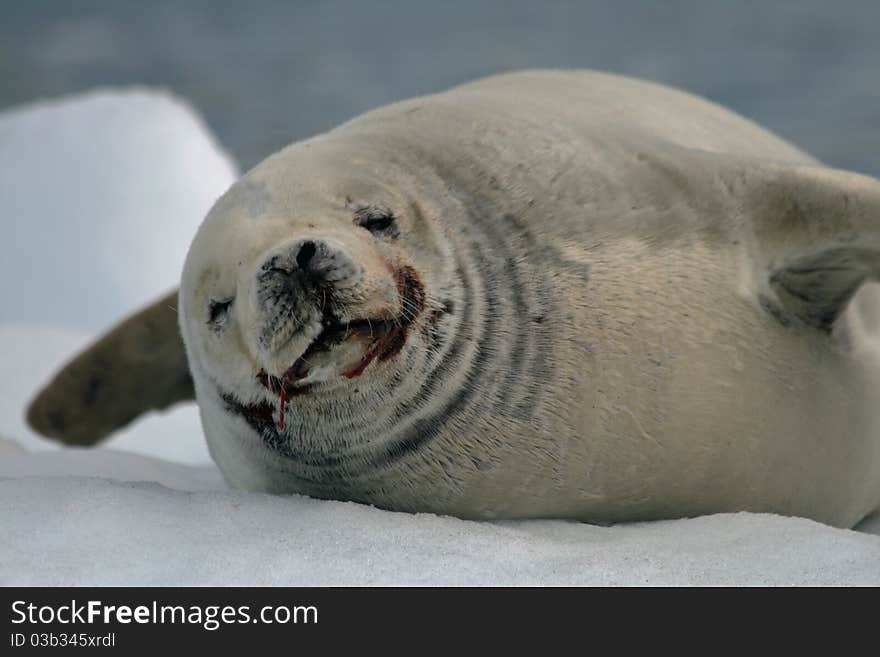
377,333
383,339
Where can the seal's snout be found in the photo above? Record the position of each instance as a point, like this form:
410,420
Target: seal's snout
298,286
321,313
310,262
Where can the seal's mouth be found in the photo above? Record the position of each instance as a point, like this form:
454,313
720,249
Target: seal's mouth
381,337
374,339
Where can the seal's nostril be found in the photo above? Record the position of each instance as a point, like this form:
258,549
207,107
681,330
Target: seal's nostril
306,252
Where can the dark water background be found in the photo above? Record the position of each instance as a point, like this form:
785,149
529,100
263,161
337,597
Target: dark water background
264,73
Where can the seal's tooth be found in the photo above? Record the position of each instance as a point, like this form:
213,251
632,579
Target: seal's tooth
278,360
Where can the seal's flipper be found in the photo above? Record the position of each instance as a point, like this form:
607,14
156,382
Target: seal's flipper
817,234
138,366
816,288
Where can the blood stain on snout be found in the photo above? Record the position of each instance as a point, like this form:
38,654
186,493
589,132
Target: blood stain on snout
392,336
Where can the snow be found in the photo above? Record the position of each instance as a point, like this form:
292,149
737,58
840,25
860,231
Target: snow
85,530
100,195
109,464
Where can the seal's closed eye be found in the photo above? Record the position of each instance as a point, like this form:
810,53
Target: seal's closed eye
377,220
218,311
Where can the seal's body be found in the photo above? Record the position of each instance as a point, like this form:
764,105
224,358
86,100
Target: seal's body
544,294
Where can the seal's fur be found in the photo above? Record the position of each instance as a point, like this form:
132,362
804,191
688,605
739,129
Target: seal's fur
594,297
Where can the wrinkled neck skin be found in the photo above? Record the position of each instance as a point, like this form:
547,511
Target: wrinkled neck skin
381,437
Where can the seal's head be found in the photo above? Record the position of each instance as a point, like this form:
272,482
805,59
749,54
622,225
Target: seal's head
301,284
